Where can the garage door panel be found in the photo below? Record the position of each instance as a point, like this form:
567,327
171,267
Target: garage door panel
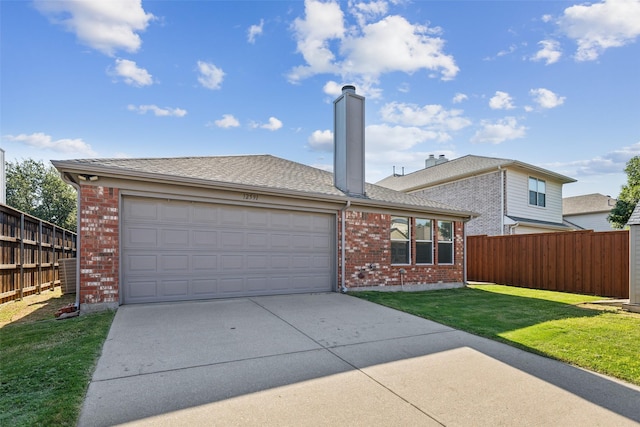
179,250
174,288
205,239
175,238
142,237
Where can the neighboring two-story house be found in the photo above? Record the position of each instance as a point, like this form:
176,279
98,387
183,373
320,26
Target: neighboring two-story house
589,211
511,197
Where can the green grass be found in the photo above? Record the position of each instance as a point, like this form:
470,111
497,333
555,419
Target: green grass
46,366
554,324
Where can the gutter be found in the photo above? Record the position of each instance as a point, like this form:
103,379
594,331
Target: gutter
343,287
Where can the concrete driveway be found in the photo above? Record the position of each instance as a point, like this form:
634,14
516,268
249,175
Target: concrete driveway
331,359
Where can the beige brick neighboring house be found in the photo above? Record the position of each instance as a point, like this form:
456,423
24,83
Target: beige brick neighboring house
190,228
589,211
511,197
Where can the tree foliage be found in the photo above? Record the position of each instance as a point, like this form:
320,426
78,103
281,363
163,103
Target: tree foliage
629,195
37,189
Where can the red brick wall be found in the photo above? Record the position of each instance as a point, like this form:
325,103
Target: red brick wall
368,254
99,242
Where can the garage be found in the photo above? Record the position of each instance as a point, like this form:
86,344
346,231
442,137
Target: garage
175,250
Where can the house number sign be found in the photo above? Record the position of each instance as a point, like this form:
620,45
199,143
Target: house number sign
249,196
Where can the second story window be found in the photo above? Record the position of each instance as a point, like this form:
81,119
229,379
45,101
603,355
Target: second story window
400,240
537,192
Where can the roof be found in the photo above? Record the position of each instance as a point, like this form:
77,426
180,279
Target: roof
545,224
587,203
250,172
634,219
459,168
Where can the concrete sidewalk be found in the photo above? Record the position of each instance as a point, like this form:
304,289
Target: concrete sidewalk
331,359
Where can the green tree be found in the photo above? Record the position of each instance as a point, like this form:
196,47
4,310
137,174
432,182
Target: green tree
629,195
37,189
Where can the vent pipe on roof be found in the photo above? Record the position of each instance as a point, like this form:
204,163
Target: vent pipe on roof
348,142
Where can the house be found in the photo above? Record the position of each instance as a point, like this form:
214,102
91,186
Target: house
634,261
511,197
176,229
588,211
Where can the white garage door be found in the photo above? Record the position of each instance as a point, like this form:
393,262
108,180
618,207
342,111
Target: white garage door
178,250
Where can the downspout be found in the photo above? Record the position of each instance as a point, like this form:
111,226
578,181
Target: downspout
502,213
464,251
343,288
77,188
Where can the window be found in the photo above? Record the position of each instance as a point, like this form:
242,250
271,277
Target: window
424,241
400,240
537,192
445,242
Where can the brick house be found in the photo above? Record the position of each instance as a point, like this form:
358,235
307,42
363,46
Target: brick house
510,196
175,229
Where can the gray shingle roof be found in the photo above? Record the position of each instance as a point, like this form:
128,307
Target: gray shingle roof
459,168
263,172
634,219
588,203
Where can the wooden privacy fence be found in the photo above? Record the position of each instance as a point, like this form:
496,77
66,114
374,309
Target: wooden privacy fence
30,250
585,262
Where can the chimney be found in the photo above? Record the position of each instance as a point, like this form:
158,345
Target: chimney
441,159
431,161
348,142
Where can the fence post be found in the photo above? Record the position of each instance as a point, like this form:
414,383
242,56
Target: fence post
21,278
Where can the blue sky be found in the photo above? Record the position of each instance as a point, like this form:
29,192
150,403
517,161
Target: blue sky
550,83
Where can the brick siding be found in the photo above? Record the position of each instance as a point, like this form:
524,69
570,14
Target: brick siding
99,256
480,194
368,255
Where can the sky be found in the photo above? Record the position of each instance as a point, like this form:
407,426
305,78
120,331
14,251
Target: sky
555,84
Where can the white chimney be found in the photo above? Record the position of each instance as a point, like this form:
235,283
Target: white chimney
441,159
348,142
431,161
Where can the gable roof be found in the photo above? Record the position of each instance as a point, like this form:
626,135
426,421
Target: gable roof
459,168
263,173
587,203
634,219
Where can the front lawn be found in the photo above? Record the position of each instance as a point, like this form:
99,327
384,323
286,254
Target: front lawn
46,365
555,324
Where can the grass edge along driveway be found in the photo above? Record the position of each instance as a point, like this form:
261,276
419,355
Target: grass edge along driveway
558,325
46,367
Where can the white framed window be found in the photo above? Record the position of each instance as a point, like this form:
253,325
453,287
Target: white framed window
400,235
445,242
424,241
537,192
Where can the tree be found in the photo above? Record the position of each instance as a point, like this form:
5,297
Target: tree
37,189
629,195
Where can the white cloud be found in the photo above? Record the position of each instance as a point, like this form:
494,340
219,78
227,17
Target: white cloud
332,88
433,117
321,140
383,140
613,162
369,49
600,26
550,52
459,97
501,101
545,98
254,31
160,112
547,18
274,124
500,131
107,26
131,73
227,121
210,76
43,141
